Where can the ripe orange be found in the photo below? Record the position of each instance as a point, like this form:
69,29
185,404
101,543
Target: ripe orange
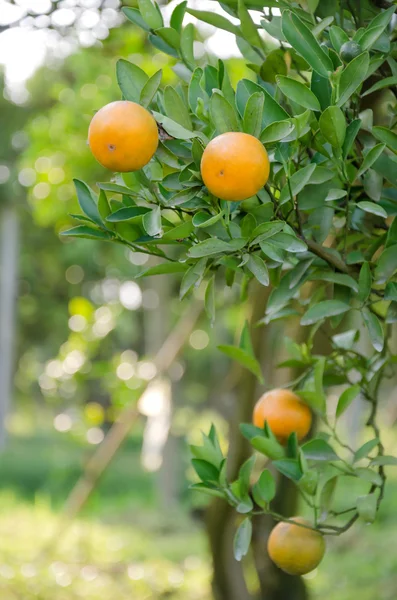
284,413
294,549
123,136
235,166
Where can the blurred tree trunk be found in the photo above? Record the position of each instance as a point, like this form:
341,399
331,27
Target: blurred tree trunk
228,576
9,228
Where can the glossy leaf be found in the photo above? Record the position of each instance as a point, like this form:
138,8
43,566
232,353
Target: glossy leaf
375,330
364,282
150,13
333,126
386,136
324,310
303,41
252,120
347,398
242,539
352,77
223,114
319,450
244,358
131,80
258,268
298,92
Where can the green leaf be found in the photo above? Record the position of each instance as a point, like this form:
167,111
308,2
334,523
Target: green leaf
177,15
365,449
170,36
118,189
321,88
391,291
319,450
83,231
183,197
163,269
351,132
364,282
375,28
384,461
289,467
103,205
298,182
252,121
250,431
298,92
264,489
373,208
380,85
304,42
134,16
152,221
347,398
214,19
176,109
386,136
368,475
274,65
333,126
391,316
242,539
269,447
313,399
150,13
248,27
276,131
131,80
203,219
288,242
324,310
150,88
244,358
338,37
352,77
273,111
258,268
374,329
208,247
367,507
370,157
193,277
205,470
338,278
187,44
223,114
87,201
173,128
127,213
386,265
179,232
244,475
210,299
210,491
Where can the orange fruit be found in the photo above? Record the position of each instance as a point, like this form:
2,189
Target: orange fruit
235,166
284,413
123,136
294,549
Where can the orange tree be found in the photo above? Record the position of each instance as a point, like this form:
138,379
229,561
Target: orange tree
290,180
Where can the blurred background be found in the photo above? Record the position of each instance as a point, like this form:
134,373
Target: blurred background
78,345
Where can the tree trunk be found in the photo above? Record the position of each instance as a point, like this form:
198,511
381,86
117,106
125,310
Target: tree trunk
228,575
8,291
